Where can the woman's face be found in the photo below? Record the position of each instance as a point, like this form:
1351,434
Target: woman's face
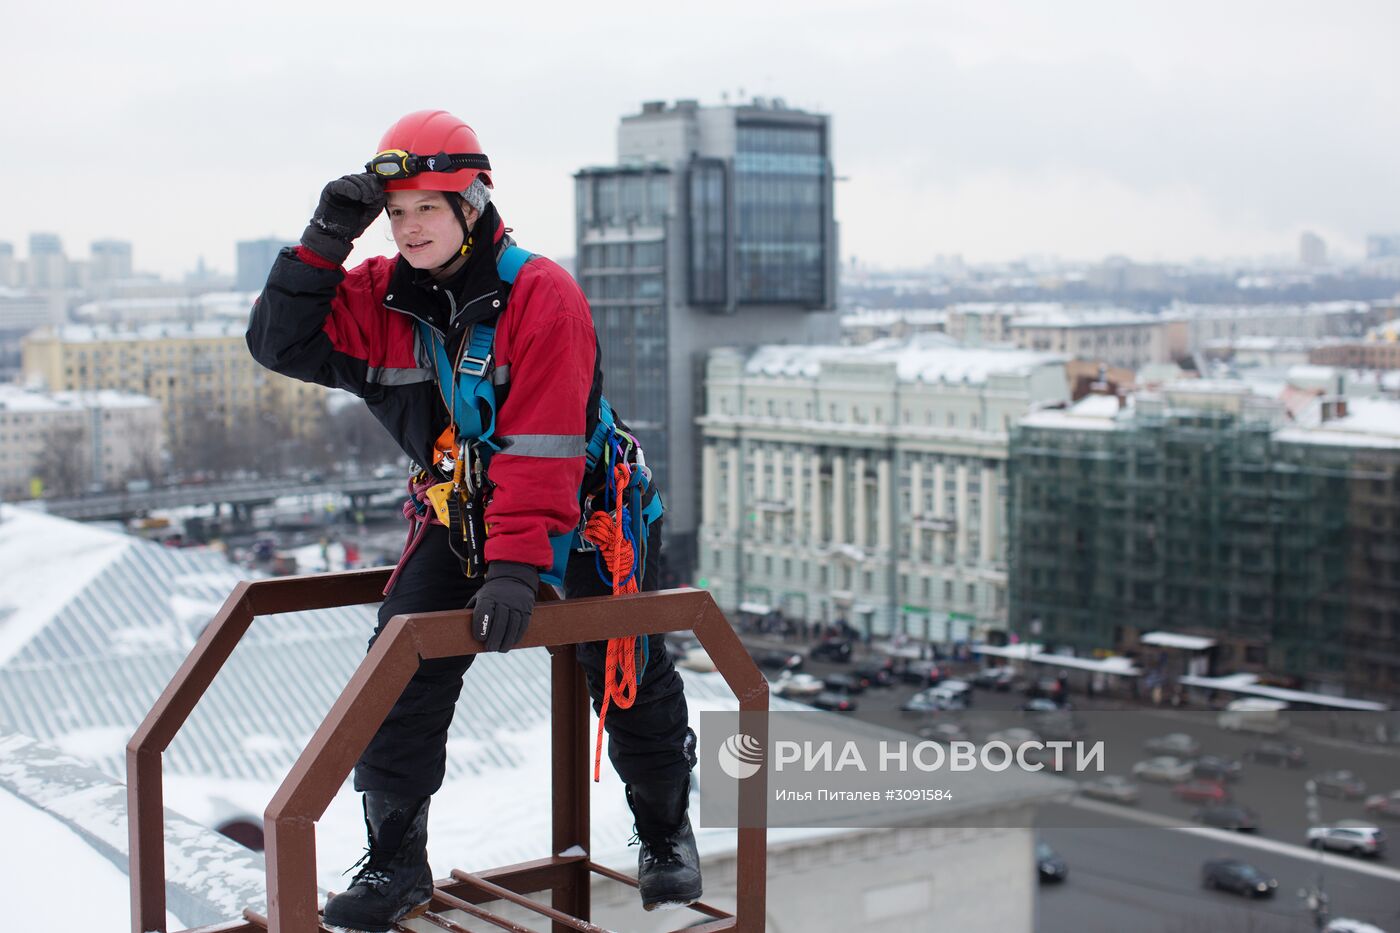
425,229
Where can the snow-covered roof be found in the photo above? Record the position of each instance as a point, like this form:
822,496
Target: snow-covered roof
91,333
1178,640
1369,422
1203,311
1085,317
14,398
928,358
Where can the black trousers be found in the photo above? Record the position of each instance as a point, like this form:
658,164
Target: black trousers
650,741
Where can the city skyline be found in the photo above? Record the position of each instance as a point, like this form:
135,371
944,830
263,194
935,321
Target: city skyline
1163,134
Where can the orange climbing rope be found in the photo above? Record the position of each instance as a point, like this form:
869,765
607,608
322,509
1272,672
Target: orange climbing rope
606,531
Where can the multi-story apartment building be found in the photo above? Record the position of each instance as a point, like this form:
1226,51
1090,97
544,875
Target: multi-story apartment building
1113,336
1200,510
93,439
198,372
1209,323
715,228
865,484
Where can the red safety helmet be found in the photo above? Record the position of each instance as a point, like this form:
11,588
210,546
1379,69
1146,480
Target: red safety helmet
429,132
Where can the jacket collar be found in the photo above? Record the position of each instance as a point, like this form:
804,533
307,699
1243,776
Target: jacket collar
476,293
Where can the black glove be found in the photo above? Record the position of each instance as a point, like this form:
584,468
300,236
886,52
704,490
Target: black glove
501,608
348,206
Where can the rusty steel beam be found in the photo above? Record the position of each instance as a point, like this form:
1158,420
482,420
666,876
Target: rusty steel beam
559,917
569,763
145,793
365,702
698,906
456,903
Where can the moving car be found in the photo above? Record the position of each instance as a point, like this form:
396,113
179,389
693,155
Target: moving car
1049,864
922,673
833,650
834,701
1354,840
1173,743
994,678
1227,874
1277,753
1228,816
1215,768
1111,787
1164,769
774,659
1348,925
846,683
1343,784
1199,791
1387,805
875,675
793,685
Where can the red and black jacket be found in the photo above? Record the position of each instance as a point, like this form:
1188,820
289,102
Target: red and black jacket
356,331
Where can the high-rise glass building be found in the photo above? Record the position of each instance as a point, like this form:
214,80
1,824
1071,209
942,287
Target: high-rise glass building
714,228
255,258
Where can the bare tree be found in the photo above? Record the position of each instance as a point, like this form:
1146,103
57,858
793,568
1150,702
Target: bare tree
62,462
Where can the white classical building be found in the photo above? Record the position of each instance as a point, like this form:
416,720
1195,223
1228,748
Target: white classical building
865,483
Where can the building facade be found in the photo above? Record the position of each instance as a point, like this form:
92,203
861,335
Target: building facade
102,438
201,374
715,228
1198,510
865,484
1117,337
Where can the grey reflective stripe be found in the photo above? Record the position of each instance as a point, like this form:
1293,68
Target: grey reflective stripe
500,375
543,445
386,376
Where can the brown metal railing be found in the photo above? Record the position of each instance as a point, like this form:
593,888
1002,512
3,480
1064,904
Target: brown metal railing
313,781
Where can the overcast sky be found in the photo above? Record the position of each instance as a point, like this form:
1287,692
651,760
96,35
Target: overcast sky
1080,129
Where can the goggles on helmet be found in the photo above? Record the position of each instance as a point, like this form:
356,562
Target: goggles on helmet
395,163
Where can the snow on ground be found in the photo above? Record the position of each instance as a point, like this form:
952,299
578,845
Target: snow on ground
52,866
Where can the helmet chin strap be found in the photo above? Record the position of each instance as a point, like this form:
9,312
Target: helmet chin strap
466,249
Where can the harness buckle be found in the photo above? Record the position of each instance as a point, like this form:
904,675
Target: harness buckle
478,365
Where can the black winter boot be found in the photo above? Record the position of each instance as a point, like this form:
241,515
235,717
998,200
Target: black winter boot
395,882
668,867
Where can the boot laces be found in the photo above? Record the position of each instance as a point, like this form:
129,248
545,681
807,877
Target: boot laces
372,874
662,848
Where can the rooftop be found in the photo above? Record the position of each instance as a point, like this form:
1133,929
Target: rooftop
92,333
17,399
927,358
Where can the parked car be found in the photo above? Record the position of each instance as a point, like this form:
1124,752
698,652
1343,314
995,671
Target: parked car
835,701
1228,816
1278,753
1343,784
994,678
1227,874
793,685
1173,743
1049,864
1111,787
923,702
1387,805
833,650
957,694
1042,705
1353,840
779,660
1199,791
1164,769
1215,768
846,683
922,673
